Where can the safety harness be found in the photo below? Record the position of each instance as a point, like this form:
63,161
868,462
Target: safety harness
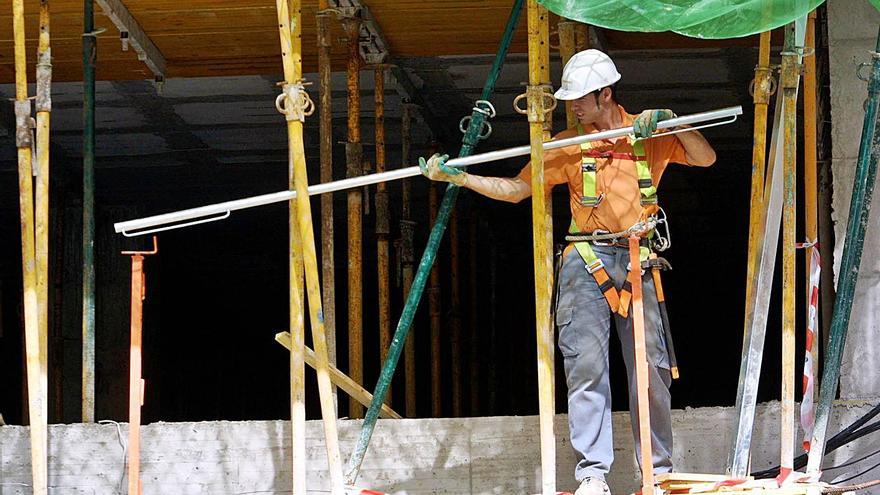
591,197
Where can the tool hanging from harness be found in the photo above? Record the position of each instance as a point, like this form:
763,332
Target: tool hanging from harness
591,197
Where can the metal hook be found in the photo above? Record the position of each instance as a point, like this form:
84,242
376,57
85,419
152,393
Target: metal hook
222,216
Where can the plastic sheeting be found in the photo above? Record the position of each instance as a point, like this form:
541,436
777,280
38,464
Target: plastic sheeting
700,19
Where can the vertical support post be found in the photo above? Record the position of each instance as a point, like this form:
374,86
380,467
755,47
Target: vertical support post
582,37
325,118
641,363
455,314
383,224
354,168
296,106
789,84
136,386
135,382
859,210
811,190
35,358
434,314
90,58
755,327
44,110
407,255
537,112
469,142
761,97
566,51
473,344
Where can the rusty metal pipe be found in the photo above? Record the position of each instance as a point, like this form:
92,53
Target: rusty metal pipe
383,224
325,118
566,51
407,256
455,314
434,314
354,168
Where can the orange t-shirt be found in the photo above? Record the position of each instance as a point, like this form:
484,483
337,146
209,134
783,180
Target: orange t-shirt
616,178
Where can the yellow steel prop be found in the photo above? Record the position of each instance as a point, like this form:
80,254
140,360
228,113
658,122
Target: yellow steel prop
296,104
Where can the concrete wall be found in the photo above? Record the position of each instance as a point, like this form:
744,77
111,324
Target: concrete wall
422,456
852,31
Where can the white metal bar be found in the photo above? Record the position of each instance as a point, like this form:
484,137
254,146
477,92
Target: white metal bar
137,227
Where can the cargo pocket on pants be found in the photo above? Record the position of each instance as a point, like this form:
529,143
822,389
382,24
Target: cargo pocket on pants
567,342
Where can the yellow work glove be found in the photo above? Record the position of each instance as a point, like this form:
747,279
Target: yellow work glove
646,123
436,169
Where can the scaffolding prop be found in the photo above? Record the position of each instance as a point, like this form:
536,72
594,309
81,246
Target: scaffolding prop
354,169
766,241
860,207
407,254
136,384
472,136
383,222
89,58
325,118
537,98
295,104
34,250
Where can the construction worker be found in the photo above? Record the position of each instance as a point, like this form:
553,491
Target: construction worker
612,187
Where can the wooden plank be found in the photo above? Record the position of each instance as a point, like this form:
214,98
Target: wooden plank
341,380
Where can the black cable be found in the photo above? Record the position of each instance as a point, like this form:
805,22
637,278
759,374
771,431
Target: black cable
875,466
850,463
845,436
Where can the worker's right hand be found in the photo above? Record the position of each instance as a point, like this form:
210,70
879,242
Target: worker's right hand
436,169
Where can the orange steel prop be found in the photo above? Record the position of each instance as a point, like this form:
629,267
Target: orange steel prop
811,215
135,380
383,224
434,312
641,363
354,168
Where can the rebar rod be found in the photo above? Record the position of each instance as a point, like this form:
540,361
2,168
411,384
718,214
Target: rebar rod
859,210
90,58
469,142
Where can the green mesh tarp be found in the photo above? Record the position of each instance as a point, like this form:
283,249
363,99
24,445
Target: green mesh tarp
696,18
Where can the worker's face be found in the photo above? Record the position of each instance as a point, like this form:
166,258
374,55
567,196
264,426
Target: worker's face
589,107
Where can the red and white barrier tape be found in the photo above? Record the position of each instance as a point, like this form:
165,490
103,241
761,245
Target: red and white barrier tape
808,414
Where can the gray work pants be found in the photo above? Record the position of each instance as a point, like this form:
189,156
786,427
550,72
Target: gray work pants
583,318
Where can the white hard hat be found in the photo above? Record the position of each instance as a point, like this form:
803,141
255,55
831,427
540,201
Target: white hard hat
586,72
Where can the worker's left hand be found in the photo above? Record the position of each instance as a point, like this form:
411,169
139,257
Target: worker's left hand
648,211
436,169
646,123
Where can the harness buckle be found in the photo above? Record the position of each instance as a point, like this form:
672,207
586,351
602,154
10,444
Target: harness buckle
607,243
594,266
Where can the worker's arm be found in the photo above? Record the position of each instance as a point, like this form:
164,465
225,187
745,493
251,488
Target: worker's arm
698,151
512,189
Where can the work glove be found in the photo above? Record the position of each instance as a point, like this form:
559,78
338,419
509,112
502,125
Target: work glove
646,123
436,169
